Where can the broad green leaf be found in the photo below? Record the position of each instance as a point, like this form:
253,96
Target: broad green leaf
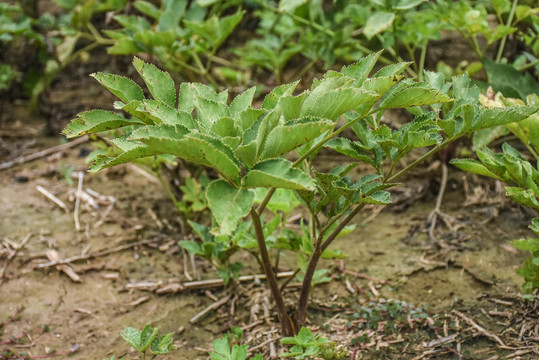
124,88
277,173
361,69
94,121
285,138
209,112
378,23
166,114
163,344
415,94
131,150
215,30
348,148
199,148
173,11
407,4
522,196
290,6
132,108
159,83
486,117
333,103
473,166
191,91
242,102
392,70
147,8
191,246
378,198
228,205
225,127
270,101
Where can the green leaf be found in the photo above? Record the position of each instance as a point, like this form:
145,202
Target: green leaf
277,173
147,8
228,205
94,121
159,83
512,83
289,6
215,30
197,147
522,196
125,89
191,246
162,344
242,101
473,166
270,101
330,104
173,11
348,148
378,198
488,117
378,23
166,114
131,150
285,138
415,94
407,4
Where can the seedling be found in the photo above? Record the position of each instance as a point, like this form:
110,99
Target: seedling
223,351
148,339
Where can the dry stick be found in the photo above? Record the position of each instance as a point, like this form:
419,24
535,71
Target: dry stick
43,153
13,254
94,254
213,306
77,201
479,328
53,198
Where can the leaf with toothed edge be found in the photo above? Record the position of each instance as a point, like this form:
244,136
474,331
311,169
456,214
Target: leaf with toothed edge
277,173
228,205
124,88
159,83
95,121
287,137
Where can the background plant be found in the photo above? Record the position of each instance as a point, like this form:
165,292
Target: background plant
517,171
148,340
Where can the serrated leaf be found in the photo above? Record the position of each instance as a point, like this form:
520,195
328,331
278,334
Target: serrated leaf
361,69
277,173
161,345
522,196
348,148
285,138
414,95
94,121
173,11
159,83
210,111
191,246
215,30
166,114
124,88
197,147
378,198
330,104
131,150
377,23
228,205
191,91
474,167
488,117
270,101
242,101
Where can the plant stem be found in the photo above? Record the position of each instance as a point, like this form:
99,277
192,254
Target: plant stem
529,66
504,39
287,327
422,61
420,160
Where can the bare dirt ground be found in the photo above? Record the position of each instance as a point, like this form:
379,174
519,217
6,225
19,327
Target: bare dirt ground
454,298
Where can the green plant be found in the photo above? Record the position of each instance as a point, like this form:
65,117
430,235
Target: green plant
249,147
182,35
148,339
223,351
305,345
